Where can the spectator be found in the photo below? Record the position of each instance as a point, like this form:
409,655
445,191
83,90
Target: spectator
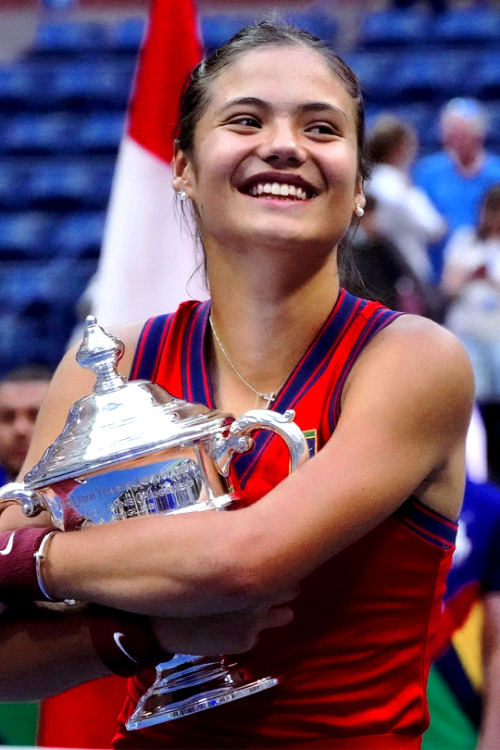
21,394
471,280
405,214
457,177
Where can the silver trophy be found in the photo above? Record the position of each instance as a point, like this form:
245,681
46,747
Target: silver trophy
131,449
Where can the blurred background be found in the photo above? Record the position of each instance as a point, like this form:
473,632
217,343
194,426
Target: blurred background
66,71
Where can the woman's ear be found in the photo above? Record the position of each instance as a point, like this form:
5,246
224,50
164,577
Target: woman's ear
181,171
359,198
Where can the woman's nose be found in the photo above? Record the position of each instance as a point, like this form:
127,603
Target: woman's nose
282,147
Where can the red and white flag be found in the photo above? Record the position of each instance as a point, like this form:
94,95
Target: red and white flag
147,259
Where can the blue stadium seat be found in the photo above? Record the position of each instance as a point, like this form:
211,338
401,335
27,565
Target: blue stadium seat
99,132
484,77
322,25
430,75
393,27
62,186
35,133
19,86
218,28
125,36
24,236
78,235
87,85
69,37
37,309
12,184
375,69
476,26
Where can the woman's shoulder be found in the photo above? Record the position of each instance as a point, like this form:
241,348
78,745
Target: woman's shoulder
422,358
423,340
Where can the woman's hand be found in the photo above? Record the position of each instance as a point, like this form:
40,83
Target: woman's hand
230,633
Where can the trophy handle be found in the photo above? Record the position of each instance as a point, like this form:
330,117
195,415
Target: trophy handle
32,503
239,440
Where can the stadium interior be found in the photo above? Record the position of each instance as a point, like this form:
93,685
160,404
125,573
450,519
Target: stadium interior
66,71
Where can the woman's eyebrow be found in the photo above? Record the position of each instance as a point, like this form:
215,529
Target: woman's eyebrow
318,107
305,108
246,101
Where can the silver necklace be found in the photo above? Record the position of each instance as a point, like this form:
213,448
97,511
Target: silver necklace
267,397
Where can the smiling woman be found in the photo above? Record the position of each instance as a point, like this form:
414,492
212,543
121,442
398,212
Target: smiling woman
269,157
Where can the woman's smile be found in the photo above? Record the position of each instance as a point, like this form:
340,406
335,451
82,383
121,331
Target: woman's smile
281,131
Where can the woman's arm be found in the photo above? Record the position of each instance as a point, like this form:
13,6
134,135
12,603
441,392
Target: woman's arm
402,431
47,649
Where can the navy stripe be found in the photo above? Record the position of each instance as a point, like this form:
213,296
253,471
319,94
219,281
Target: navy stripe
195,378
428,524
149,347
309,370
379,320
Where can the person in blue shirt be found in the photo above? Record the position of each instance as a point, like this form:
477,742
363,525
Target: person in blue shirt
457,177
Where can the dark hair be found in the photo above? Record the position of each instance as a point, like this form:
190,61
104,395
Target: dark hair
387,134
196,94
269,33
489,204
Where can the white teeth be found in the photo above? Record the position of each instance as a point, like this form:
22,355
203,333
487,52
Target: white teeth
277,188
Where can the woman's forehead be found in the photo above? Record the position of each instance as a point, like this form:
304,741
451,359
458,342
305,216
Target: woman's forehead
276,69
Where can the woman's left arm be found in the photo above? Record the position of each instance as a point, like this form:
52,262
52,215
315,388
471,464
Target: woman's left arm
402,431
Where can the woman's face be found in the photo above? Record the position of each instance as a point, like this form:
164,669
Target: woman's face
275,154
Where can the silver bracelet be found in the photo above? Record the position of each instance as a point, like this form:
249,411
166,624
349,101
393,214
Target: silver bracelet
39,556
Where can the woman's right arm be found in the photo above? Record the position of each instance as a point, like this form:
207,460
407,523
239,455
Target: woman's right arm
44,650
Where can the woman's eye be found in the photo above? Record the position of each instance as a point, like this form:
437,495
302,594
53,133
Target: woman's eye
245,121
323,128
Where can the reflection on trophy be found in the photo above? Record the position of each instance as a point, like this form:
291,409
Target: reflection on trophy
131,449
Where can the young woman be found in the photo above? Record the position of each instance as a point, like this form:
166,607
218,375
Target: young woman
269,158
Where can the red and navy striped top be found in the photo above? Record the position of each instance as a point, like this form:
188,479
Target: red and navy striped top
354,661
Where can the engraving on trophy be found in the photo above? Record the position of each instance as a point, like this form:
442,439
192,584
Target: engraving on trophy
177,485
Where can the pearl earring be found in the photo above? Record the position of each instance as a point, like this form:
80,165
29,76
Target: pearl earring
183,196
359,210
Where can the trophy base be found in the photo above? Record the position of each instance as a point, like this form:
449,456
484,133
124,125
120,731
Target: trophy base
161,703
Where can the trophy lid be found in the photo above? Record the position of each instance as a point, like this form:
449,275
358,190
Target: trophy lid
120,421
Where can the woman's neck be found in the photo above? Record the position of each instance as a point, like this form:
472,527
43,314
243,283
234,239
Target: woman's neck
264,323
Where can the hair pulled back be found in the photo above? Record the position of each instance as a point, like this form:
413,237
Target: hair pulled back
195,98
196,94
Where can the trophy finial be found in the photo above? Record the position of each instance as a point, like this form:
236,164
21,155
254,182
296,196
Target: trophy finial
101,352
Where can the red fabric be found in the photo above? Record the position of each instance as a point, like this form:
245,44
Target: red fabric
84,717
356,656
171,49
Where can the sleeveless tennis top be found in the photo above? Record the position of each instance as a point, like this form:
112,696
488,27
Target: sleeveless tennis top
354,661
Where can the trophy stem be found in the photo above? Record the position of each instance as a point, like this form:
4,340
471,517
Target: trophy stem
176,690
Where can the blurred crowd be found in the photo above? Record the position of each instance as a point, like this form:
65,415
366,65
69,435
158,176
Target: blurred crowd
430,239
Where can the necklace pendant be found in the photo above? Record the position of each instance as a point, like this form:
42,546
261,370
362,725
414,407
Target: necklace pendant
269,397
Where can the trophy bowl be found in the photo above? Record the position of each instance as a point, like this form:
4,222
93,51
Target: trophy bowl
131,449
